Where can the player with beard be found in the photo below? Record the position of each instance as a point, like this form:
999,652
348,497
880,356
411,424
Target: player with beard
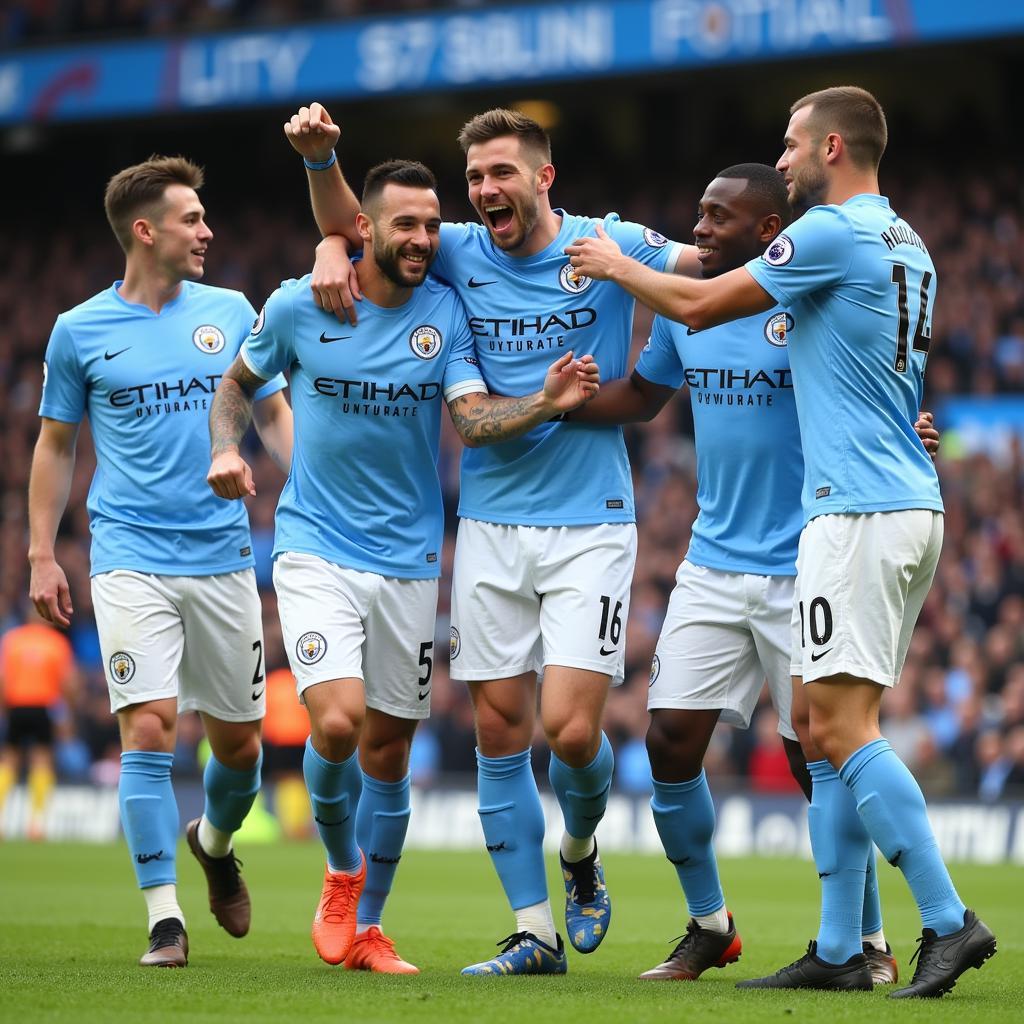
360,527
728,625
547,535
856,278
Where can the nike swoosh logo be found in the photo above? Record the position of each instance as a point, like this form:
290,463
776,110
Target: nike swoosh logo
474,283
324,339
607,653
114,355
816,657
423,696
690,330
145,858
256,696
331,824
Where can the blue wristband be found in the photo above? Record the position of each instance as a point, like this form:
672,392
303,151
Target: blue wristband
321,165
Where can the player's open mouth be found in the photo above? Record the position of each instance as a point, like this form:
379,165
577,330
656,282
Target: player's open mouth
703,252
415,257
499,216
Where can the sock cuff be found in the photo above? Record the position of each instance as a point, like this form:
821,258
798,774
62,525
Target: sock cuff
822,771
671,788
387,788
604,755
502,767
137,762
234,773
861,758
329,766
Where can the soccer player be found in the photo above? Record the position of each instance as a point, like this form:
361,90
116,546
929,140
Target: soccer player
860,286
37,669
360,527
173,586
547,536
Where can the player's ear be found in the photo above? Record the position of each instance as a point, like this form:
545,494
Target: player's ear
771,225
545,177
142,231
365,227
834,146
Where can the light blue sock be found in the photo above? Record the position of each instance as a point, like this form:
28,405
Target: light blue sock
149,815
892,807
871,917
382,820
334,793
840,845
685,817
583,792
513,824
229,793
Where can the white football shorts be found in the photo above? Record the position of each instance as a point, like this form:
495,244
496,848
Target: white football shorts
197,638
528,596
342,623
725,633
862,579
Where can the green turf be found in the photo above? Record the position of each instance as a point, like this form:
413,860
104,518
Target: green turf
72,927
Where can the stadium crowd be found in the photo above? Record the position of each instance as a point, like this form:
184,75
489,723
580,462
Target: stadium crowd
957,719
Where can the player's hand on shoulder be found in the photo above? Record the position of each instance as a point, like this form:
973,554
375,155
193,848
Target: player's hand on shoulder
927,431
312,133
334,283
49,591
571,382
595,257
230,476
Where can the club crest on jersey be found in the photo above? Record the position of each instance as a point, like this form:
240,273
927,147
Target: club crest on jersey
454,644
780,252
655,670
122,667
258,323
777,328
310,648
572,281
208,339
654,238
425,341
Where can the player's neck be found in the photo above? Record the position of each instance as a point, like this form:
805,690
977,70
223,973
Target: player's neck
380,290
849,184
145,286
544,232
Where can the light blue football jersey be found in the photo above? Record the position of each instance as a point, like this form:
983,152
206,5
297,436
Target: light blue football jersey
363,491
861,285
749,466
524,314
146,381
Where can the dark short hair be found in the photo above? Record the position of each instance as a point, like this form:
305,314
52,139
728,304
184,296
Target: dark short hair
139,191
500,122
410,173
854,114
765,184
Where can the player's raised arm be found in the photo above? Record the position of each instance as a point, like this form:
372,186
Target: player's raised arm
230,416
314,136
487,419
53,465
698,304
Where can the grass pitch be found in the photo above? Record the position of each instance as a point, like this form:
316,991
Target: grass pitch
72,927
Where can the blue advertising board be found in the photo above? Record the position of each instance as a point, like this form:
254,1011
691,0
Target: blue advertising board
501,45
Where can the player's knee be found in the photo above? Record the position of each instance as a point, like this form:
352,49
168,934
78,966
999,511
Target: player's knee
147,730
387,760
498,735
825,734
336,732
672,758
243,752
575,742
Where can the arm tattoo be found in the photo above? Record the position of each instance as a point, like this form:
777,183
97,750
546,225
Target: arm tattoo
231,413
483,419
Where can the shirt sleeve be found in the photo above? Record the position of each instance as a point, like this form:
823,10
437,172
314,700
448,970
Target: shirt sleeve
814,252
277,382
270,347
462,374
643,244
659,361
452,236
64,384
